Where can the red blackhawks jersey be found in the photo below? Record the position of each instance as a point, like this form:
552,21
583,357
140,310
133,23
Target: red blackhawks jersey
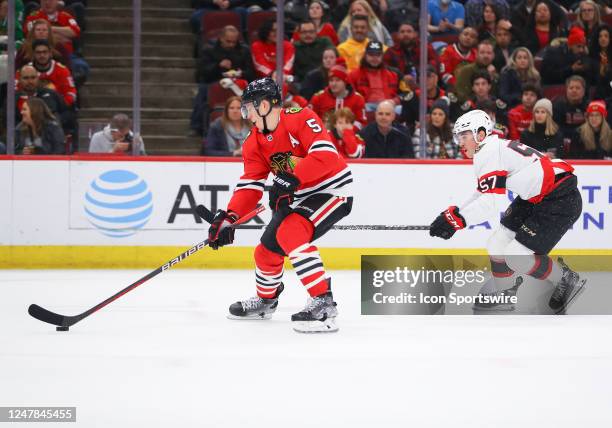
59,19
324,102
502,165
452,58
58,78
301,145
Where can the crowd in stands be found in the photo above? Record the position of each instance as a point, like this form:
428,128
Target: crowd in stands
49,70
540,68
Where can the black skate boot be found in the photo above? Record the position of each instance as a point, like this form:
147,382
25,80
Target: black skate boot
255,308
497,301
319,315
566,290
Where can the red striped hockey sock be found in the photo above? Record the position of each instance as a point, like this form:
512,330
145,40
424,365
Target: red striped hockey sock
268,272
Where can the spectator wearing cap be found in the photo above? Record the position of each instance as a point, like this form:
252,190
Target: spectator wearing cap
316,80
339,94
405,55
52,73
519,71
521,116
308,50
439,135
116,137
593,140
543,133
569,111
353,49
483,63
373,79
445,16
263,51
564,61
384,138
600,51
410,101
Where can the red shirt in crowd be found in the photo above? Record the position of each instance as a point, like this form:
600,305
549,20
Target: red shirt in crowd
375,85
59,19
264,57
450,59
59,79
518,120
349,144
324,101
327,30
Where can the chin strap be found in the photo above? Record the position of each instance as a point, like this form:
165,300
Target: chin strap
265,129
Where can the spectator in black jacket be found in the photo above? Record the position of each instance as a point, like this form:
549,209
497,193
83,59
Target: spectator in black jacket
519,71
227,133
600,51
385,139
570,111
564,61
308,50
38,133
227,58
521,13
545,24
317,79
505,44
543,133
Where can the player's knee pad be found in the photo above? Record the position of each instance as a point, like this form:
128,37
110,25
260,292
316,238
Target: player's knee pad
499,240
294,231
518,257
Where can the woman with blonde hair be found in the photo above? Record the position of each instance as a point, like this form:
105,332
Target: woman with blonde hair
588,17
520,70
227,133
543,133
593,139
41,30
377,29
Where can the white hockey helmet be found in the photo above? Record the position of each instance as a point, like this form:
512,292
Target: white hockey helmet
475,121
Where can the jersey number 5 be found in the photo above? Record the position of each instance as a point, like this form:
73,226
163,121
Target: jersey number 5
523,149
314,125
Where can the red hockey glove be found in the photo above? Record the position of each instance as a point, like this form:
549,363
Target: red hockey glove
219,232
281,193
447,223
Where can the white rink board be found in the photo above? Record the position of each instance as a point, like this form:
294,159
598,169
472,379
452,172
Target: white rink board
45,204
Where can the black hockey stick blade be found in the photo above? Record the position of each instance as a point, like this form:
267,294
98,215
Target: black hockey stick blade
47,316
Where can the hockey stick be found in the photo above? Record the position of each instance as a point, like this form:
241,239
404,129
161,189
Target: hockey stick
63,322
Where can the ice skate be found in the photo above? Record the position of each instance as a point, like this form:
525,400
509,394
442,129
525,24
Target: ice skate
498,301
255,308
319,315
567,289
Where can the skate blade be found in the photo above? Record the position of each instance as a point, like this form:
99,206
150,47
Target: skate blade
578,292
259,317
327,326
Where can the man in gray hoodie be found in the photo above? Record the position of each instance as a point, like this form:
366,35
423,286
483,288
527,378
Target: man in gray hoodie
116,137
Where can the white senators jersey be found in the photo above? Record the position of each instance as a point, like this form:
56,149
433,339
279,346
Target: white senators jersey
502,165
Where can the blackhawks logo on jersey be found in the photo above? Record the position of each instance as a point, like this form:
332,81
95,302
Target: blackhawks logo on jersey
283,161
293,110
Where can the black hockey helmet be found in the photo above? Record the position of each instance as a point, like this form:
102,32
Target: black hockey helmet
261,89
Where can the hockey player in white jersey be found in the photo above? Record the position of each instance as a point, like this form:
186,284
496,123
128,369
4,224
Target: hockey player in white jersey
547,204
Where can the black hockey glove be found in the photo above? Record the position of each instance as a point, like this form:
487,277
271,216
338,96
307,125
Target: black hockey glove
219,232
447,223
281,193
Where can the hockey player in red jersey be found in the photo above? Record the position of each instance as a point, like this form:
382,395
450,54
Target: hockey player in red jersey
547,204
310,193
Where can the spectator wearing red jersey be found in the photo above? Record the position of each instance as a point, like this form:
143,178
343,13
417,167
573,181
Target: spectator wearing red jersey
56,75
342,132
64,26
263,51
521,116
41,30
316,14
458,54
405,55
339,94
373,79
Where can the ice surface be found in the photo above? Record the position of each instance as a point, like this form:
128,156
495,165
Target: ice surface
165,356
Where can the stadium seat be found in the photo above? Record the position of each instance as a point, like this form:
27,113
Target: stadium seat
553,91
213,22
449,39
607,19
217,96
537,62
255,20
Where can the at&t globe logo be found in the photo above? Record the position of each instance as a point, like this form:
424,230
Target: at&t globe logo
118,203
